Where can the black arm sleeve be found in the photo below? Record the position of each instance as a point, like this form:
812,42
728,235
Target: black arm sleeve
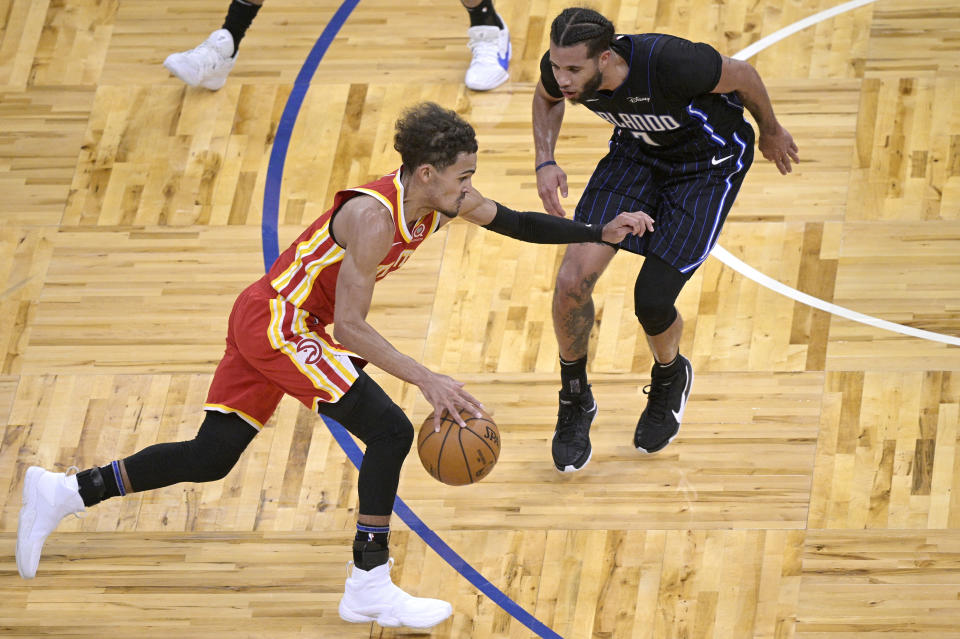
540,228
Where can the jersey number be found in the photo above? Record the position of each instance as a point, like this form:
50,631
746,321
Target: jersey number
643,136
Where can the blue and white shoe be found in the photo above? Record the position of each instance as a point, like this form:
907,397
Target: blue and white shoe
491,57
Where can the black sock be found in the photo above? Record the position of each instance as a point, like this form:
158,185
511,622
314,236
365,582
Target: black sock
371,546
239,16
671,367
97,484
573,376
484,15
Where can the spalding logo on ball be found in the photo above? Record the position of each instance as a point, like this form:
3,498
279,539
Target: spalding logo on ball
459,456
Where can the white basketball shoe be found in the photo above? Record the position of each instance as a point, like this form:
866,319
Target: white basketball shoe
47,498
370,595
207,65
491,57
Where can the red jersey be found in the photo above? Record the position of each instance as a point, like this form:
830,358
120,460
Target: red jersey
306,273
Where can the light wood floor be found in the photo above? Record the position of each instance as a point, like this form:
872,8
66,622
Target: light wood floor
814,490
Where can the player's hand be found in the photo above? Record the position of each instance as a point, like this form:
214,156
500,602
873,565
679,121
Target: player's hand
550,179
627,223
446,394
779,148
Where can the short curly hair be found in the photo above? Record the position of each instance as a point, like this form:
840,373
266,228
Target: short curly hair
579,24
427,133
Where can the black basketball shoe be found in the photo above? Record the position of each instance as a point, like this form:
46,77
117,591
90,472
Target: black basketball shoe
666,398
571,441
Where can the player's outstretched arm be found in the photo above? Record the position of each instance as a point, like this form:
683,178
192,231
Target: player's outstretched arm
547,118
539,228
775,143
364,227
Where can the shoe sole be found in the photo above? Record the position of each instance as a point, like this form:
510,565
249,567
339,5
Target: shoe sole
392,622
683,409
488,87
28,517
570,468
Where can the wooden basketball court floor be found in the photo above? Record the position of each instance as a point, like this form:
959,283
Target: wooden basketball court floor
814,490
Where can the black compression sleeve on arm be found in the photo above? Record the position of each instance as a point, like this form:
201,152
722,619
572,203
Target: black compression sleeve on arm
540,228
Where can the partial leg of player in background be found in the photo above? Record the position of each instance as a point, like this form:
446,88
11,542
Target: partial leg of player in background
489,41
208,64
573,316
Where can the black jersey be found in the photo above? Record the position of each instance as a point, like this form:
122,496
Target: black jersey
665,102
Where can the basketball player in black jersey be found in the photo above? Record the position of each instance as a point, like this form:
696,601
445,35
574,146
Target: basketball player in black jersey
679,152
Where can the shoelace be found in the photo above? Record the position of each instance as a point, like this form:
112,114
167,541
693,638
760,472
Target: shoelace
657,392
567,430
484,50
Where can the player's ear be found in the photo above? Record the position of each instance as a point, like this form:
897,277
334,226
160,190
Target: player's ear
604,58
425,172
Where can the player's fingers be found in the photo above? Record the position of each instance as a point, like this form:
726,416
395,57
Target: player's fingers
563,184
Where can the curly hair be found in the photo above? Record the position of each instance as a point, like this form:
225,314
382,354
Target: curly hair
576,24
429,134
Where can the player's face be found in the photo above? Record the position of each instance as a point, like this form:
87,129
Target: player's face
449,186
578,75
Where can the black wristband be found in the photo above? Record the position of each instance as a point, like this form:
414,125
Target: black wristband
543,164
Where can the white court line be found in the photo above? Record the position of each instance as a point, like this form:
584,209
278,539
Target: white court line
751,273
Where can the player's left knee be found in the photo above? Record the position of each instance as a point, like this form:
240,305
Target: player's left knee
398,431
653,306
655,318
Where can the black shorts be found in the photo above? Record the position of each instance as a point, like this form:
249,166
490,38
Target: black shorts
688,201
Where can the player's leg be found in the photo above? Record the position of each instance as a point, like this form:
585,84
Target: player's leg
49,497
489,42
209,64
307,364
369,593
696,198
671,378
573,316
618,184
239,401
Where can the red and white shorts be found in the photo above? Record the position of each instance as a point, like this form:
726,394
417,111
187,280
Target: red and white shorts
274,347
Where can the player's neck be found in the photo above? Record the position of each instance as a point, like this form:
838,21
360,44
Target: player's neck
414,205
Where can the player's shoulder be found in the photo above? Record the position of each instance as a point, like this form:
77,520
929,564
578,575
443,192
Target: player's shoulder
367,216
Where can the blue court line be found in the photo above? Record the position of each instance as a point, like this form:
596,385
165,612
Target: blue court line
271,250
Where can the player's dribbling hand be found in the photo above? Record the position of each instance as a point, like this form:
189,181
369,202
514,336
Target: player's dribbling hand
627,223
446,394
779,148
549,179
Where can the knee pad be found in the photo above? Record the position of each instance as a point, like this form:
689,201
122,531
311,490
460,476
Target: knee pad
370,415
215,450
395,431
654,293
655,318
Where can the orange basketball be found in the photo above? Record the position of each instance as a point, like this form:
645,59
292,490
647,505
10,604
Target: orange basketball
459,456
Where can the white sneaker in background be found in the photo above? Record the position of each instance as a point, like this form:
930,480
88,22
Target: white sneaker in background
372,596
207,65
491,57
47,498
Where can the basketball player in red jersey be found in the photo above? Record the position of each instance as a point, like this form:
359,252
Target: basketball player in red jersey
277,342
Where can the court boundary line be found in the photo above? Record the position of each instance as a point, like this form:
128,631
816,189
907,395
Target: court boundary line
751,273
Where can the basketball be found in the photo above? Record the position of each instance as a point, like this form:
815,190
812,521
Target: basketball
458,456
